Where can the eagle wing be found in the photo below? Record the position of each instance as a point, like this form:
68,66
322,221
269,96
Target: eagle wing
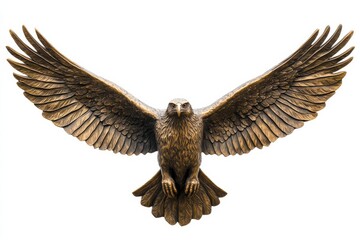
86,106
281,100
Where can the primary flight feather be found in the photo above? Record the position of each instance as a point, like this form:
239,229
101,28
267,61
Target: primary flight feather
253,115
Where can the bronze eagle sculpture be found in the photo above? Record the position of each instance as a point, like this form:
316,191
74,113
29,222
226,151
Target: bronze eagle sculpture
252,116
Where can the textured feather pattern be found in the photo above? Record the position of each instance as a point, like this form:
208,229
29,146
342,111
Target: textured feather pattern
181,208
274,104
86,106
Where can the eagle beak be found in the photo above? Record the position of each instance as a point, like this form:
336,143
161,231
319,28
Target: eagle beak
178,109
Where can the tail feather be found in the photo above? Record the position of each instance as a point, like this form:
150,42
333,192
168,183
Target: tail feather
170,210
212,195
206,202
155,180
186,212
158,207
149,197
205,180
182,208
197,208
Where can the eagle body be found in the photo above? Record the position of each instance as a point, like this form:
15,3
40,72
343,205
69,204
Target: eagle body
179,141
253,115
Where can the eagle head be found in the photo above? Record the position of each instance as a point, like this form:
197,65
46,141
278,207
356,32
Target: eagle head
179,107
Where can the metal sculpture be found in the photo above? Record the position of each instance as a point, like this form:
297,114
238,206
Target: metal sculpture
253,115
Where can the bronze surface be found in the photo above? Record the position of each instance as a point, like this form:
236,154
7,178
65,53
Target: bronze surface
253,115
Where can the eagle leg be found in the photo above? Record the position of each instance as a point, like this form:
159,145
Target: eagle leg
192,186
192,183
168,183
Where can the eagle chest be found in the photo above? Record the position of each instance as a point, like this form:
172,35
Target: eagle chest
180,140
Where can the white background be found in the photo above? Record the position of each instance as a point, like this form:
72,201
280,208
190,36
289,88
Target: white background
53,186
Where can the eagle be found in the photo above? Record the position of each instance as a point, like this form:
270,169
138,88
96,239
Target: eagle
253,115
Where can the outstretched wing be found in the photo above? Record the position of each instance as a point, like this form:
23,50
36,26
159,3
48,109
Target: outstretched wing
86,106
274,104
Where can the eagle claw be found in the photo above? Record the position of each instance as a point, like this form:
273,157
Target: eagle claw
192,186
168,186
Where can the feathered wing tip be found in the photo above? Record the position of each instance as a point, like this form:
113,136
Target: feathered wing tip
182,208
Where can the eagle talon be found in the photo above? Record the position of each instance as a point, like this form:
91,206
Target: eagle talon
168,186
192,186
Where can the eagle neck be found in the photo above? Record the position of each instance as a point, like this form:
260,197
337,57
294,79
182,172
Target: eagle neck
180,122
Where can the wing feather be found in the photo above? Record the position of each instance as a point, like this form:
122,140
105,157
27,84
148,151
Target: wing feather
248,144
94,136
102,136
281,100
86,106
105,144
73,127
265,129
272,125
235,142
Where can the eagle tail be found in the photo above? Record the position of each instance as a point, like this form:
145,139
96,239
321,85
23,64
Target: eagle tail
181,208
